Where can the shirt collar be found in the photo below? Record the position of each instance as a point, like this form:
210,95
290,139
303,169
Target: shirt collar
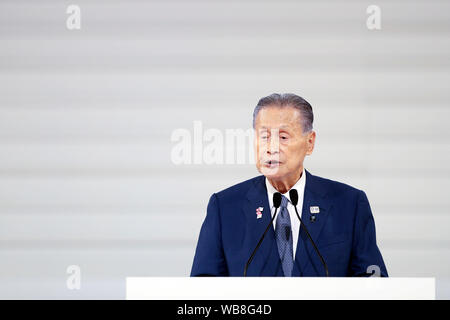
299,185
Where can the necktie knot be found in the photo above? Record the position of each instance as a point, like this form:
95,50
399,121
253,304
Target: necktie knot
284,202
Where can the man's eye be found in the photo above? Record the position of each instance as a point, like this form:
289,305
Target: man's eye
284,137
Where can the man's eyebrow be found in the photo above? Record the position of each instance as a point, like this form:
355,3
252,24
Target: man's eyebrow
283,127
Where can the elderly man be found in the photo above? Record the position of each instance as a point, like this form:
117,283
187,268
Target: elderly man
254,228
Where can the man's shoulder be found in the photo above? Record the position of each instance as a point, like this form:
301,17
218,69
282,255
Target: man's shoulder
334,188
240,189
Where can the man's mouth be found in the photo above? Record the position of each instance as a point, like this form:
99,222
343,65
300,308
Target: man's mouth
272,163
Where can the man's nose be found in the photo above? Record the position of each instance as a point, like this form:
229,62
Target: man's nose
273,146
273,151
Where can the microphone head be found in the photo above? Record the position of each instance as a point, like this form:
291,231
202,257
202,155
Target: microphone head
276,199
293,194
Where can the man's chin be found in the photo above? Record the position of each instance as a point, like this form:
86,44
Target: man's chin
271,173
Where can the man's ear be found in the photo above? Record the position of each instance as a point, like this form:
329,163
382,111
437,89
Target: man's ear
310,141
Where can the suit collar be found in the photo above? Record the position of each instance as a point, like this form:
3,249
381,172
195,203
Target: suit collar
313,184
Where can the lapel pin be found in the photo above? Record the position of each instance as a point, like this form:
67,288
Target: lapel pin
259,212
314,209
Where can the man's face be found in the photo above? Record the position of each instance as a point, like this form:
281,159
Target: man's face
280,145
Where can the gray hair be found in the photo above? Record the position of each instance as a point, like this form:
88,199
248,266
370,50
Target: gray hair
288,100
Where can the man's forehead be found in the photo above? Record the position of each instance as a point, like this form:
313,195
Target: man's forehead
283,126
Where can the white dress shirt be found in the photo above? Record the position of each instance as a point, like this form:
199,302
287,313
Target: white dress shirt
295,223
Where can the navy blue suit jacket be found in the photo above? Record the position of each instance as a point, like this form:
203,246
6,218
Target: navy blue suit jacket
344,232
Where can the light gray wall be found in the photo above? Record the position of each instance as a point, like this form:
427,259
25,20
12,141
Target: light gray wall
86,118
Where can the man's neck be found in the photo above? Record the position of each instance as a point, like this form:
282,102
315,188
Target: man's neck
285,184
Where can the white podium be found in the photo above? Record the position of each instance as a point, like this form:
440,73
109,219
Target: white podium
279,288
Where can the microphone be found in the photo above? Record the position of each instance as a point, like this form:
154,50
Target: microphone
276,204
293,194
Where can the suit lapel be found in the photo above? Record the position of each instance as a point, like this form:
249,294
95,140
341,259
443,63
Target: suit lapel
314,195
266,260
